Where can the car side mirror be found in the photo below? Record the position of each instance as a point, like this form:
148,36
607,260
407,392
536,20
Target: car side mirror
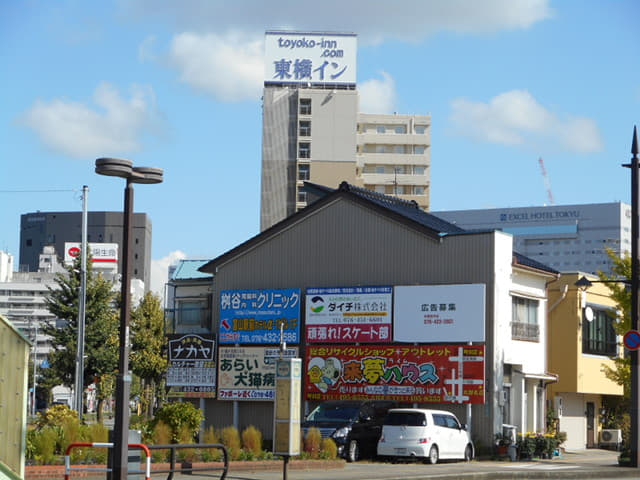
463,426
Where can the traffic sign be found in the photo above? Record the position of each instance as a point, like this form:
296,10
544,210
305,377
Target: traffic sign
631,340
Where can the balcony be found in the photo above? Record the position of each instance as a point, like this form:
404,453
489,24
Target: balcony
529,332
187,320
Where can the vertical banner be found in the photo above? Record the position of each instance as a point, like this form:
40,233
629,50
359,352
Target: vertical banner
406,373
255,316
249,373
286,426
348,315
192,366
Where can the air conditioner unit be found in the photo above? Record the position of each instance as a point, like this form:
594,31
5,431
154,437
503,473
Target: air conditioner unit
610,436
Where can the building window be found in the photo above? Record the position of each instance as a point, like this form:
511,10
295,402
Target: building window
418,149
524,319
302,196
305,106
380,188
379,168
421,129
381,129
418,170
400,129
305,128
303,172
598,335
418,190
398,149
304,150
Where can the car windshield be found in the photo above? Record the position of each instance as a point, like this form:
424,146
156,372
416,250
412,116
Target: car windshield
408,419
333,413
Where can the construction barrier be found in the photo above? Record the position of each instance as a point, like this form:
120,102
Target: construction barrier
67,462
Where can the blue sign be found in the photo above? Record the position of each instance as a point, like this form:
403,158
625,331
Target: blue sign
255,316
631,340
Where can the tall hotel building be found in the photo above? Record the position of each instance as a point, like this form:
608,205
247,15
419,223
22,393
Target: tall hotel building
313,129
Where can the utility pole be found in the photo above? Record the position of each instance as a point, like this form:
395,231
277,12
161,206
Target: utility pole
79,383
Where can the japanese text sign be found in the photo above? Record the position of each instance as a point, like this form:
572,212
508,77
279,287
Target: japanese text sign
411,373
255,316
348,315
248,373
296,57
439,313
100,252
192,367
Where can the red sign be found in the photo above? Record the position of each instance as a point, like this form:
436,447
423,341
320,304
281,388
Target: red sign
407,373
74,251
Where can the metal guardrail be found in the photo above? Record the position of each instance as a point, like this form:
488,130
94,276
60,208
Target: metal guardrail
67,462
187,470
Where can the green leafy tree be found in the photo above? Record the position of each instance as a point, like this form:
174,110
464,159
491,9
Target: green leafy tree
147,360
101,331
621,372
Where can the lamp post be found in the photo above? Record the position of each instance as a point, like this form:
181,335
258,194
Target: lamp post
115,167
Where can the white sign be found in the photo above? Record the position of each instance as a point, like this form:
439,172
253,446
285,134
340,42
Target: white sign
439,313
100,252
317,58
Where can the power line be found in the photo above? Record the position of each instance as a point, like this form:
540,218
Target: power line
37,191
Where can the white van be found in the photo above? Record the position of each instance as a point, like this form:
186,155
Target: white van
424,434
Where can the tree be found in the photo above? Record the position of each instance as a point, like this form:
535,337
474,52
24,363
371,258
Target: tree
146,358
101,330
621,373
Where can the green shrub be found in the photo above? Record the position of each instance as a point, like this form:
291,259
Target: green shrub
252,440
161,436
55,416
328,449
312,442
231,439
44,445
178,415
211,454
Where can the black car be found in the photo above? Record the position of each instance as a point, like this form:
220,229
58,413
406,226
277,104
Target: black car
355,425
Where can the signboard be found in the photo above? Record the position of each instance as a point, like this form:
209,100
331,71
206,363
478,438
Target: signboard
411,373
286,420
631,340
348,315
100,252
439,313
317,58
248,373
192,367
255,316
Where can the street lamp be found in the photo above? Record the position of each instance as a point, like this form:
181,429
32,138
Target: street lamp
115,167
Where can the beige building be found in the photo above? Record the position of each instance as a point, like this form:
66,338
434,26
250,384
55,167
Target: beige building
582,340
318,135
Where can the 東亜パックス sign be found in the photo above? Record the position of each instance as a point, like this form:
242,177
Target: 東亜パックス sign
255,316
439,313
348,315
443,373
317,58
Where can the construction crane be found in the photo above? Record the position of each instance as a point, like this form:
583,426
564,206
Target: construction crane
547,184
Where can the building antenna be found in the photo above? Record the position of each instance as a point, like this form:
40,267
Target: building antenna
547,183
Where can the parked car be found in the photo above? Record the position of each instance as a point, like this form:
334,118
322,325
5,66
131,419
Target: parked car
355,425
430,435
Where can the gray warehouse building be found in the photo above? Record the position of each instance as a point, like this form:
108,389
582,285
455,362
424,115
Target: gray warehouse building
40,229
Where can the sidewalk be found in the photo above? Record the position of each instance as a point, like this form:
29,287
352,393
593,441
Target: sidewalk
585,464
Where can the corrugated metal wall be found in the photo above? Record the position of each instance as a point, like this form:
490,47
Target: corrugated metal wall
346,244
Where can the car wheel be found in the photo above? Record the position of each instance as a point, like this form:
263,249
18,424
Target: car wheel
468,453
433,455
353,454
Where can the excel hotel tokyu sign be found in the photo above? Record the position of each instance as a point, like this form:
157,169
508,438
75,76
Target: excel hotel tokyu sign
310,57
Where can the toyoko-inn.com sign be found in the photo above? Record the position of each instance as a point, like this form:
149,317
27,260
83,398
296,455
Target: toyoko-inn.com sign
439,313
299,57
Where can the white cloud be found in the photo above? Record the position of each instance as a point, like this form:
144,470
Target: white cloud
229,67
114,125
373,20
378,96
517,118
160,271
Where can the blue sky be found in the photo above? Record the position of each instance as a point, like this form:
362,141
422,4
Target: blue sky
177,85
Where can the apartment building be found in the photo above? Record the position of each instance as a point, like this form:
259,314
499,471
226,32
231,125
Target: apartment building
313,129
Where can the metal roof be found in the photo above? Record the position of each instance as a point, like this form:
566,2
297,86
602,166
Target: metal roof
188,269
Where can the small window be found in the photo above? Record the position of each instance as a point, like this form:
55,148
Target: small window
379,168
305,128
380,188
303,172
418,149
418,190
398,149
381,149
400,129
419,170
304,150
302,197
381,129
421,129
598,334
305,106
29,242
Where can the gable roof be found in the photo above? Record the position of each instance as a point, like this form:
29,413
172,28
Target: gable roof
405,211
